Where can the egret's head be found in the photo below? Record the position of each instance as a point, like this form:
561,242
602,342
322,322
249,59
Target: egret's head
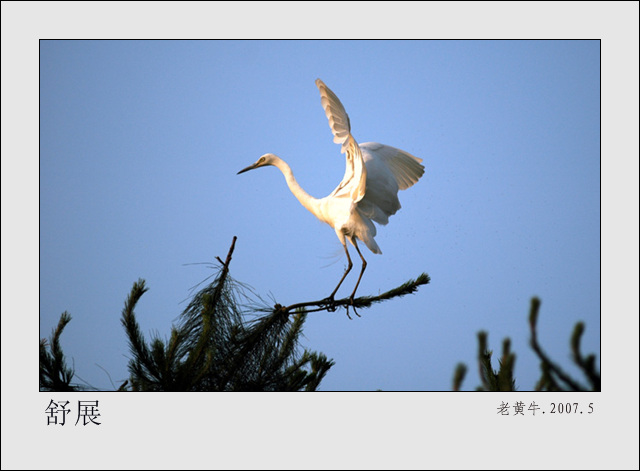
266,159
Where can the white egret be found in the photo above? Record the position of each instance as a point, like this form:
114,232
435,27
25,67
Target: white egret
368,191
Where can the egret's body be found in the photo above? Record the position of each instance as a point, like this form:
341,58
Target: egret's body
368,191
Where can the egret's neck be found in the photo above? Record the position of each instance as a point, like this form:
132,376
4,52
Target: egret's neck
305,198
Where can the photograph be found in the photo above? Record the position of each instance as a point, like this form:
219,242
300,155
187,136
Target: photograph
405,232
453,187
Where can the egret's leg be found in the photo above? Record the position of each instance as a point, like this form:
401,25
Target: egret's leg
364,265
349,266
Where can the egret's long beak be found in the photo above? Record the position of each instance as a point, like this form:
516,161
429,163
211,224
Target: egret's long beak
250,167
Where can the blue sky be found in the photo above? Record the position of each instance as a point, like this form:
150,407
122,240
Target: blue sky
140,143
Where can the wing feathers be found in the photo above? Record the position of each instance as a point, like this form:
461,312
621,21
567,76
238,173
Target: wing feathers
355,175
374,172
405,167
338,117
388,171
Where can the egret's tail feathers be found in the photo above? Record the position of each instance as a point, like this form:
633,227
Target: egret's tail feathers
366,232
373,246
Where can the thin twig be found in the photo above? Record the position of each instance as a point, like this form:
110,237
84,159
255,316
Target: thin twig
225,270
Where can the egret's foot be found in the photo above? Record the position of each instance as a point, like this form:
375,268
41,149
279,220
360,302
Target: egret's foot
330,302
353,306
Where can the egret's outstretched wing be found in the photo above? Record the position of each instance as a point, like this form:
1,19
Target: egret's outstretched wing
355,176
405,168
388,170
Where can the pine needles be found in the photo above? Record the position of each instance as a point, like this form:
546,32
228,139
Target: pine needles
55,375
214,348
409,287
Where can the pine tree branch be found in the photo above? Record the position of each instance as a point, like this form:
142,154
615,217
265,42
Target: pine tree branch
587,365
320,365
54,373
225,271
137,343
458,376
553,369
507,364
409,287
484,362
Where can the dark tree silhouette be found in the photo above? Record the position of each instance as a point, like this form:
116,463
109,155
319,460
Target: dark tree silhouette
552,377
217,345
55,375
214,349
